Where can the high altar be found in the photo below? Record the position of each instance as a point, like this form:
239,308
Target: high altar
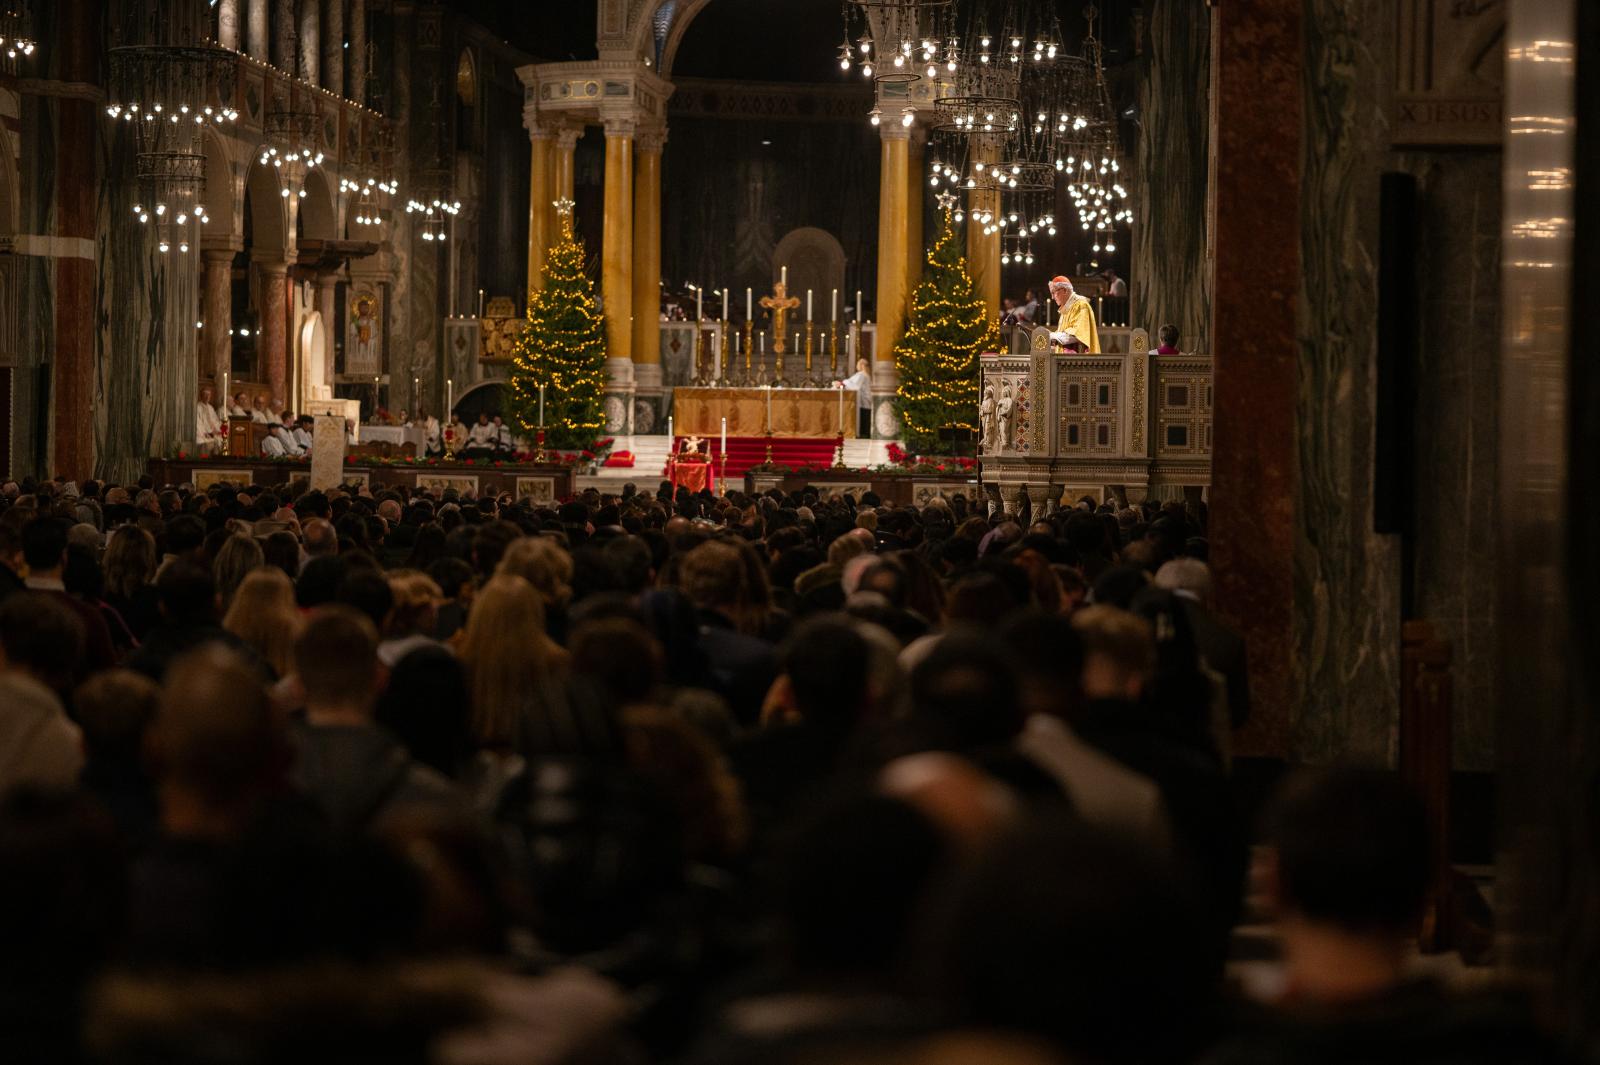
788,412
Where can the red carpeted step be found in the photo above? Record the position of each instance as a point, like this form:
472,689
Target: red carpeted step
747,451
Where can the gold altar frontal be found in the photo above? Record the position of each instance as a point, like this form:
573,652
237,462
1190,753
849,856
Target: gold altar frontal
798,412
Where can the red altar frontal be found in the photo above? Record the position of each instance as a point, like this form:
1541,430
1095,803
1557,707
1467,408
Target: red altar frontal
540,483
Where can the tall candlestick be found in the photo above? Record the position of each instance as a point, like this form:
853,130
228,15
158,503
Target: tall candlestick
749,313
835,317
808,305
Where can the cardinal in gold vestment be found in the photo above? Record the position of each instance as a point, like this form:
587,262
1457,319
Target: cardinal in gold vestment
1077,316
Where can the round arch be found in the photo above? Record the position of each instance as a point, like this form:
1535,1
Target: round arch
687,10
223,199
319,209
316,373
269,213
486,397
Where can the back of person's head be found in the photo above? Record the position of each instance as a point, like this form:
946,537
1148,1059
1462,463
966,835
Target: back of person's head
631,562
620,656
216,737
1069,933
367,591
1119,652
503,649
542,563
416,598
183,535
238,557
43,638
281,550
853,876
1188,575
319,537
335,657
187,594
452,575
129,562
1169,335
828,665
979,600
1048,653
425,706
263,615
114,708
319,581
964,693
490,545
713,577
44,543
1351,850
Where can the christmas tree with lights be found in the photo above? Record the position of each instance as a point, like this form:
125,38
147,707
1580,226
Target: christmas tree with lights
947,327
563,349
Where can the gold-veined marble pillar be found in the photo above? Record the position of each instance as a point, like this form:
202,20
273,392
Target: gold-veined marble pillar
616,246
916,178
647,247
983,249
541,193
566,145
893,192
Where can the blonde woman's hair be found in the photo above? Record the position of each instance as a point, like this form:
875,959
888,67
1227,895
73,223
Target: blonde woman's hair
238,556
504,651
416,599
130,561
543,564
263,615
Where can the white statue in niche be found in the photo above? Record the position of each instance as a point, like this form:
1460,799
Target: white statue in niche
986,416
1002,413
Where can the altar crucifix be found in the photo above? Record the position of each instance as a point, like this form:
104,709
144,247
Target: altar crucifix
780,303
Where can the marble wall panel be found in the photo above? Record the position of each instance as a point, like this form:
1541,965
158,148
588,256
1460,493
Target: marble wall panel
1347,578
1454,574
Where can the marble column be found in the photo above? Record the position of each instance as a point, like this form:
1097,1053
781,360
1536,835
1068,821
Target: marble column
75,216
541,191
333,46
915,181
647,256
327,291
274,297
1256,99
216,338
356,64
892,193
565,147
282,30
311,41
228,23
616,253
983,249
256,36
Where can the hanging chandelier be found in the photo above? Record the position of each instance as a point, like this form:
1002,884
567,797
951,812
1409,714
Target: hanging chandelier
897,40
1090,155
436,212
289,143
168,84
17,38
436,201
371,182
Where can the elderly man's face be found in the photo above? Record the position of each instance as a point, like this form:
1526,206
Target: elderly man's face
1061,294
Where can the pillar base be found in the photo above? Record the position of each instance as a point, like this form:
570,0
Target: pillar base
649,399
618,402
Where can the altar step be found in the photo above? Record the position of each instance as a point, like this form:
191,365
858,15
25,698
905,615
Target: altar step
651,452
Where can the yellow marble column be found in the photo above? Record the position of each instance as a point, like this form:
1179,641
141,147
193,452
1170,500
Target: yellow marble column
916,181
983,250
562,171
893,189
616,250
647,247
541,193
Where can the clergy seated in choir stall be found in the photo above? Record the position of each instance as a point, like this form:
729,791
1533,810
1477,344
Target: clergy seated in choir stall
1075,327
432,434
1169,341
209,429
263,411
861,381
240,406
483,439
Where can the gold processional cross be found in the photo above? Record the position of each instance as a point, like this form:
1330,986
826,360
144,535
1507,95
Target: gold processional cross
780,308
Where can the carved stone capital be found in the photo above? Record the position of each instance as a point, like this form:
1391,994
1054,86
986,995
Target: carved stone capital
620,125
650,139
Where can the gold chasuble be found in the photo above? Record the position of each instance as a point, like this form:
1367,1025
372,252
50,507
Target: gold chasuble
1077,318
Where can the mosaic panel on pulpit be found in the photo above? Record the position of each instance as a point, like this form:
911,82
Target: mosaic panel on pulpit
1183,413
1088,409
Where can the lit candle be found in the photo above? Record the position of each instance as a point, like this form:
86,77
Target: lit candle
227,400
480,303
724,303
808,305
841,410
835,317
768,390
449,397
541,406
749,314
763,345
783,277
670,437
736,343
699,310
724,434
858,305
